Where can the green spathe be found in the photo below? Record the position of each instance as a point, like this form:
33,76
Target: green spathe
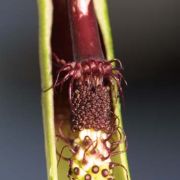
45,23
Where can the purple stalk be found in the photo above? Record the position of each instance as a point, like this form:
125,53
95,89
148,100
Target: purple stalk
84,30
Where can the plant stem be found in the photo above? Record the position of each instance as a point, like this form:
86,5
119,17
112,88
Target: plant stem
45,21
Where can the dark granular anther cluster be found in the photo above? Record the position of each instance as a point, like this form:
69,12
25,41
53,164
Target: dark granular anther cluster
91,108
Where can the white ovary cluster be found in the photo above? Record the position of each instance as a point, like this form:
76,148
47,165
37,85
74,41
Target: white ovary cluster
92,158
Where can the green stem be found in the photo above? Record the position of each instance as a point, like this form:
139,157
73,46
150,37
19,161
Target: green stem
45,22
104,23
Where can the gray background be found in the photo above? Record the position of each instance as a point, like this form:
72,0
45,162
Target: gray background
146,40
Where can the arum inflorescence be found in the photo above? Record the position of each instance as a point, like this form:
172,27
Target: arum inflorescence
84,81
89,78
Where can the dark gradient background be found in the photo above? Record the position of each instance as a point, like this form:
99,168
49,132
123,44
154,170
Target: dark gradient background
146,34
